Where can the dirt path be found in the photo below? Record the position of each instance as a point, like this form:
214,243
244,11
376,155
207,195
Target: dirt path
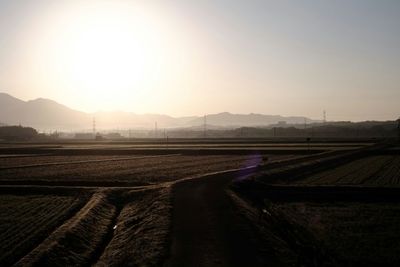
207,230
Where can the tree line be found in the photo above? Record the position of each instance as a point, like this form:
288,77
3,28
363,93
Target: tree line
17,133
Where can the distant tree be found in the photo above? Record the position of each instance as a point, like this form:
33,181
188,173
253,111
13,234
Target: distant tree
17,133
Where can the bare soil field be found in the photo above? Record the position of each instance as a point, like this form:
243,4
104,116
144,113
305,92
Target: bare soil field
209,204
43,160
381,170
354,234
138,170
114,228
301,168
210,146
333,211
27,220
326,226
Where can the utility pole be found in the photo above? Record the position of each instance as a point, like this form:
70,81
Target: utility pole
324,116
305,127
398,130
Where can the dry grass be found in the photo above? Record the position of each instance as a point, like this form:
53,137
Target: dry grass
141,236
356,234
284,240
374,170
76,241
27,220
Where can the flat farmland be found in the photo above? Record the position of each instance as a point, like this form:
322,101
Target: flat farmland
34,160
133,170
381,170
188,144
26,220
351,233
118,204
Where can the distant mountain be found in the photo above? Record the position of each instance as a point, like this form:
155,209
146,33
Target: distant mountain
227,119
40,113
46,114
124,120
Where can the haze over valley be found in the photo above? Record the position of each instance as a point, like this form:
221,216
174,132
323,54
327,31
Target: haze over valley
46,114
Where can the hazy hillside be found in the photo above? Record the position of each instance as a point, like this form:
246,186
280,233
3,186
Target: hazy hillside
45,114
229,119
40,113
124,120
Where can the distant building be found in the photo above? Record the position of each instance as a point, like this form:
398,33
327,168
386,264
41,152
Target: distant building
113,136
282,123
99,137
85,136
64,135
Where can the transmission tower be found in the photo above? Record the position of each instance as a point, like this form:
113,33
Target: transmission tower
155,129
324,116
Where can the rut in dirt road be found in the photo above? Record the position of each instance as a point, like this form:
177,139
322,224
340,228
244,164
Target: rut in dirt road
206,229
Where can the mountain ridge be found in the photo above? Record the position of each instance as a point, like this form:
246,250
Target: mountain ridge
47,114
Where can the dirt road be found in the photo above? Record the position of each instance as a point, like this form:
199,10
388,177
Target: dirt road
206,228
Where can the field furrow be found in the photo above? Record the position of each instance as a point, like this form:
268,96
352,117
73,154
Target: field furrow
136,171
374,170
26,220
78,239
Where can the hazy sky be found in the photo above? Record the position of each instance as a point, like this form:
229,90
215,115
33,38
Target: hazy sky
196,57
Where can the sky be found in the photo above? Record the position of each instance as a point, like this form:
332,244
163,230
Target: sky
183,57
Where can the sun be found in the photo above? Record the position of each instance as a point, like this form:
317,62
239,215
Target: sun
106,49
108,55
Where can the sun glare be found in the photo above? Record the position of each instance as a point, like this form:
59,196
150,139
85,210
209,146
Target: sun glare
109,55
107,48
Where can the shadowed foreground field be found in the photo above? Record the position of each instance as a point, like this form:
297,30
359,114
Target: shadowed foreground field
373,170
210,208
27,220
353,233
